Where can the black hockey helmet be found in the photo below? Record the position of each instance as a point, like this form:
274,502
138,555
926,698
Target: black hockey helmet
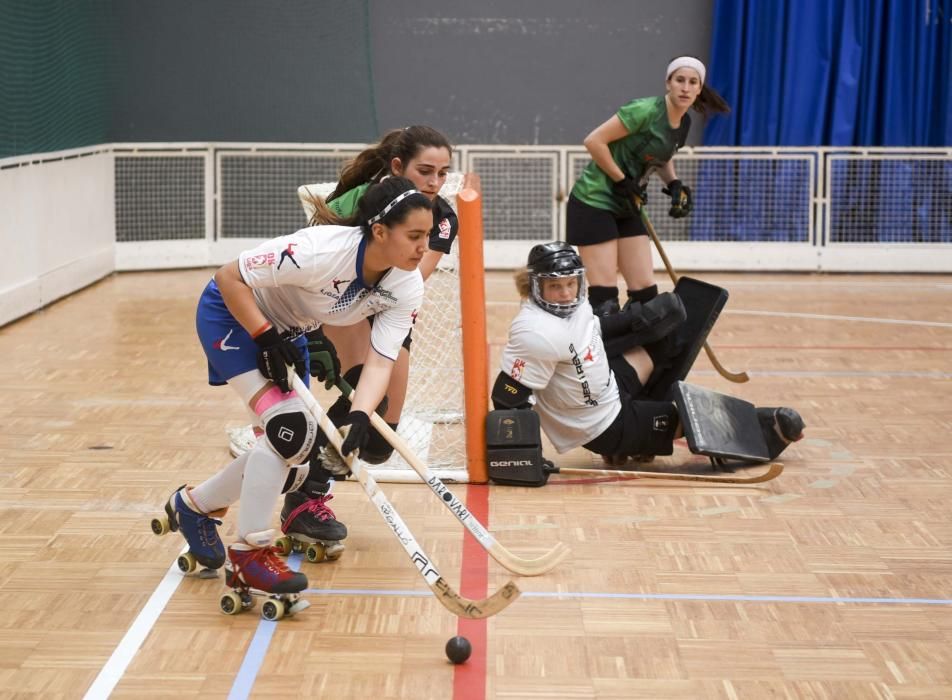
556,259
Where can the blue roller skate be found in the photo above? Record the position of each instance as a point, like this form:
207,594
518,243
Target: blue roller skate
199,530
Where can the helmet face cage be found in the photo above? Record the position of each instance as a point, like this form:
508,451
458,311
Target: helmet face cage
562,310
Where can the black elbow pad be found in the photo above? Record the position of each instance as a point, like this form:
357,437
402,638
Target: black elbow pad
508,393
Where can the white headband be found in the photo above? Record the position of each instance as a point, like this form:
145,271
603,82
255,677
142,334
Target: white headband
685,62
386,210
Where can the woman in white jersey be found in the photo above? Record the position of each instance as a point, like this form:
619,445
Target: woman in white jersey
556,356
251,322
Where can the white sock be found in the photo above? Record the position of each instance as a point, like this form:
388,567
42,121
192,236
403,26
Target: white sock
265,474
222,489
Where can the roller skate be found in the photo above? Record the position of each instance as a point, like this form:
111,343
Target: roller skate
255,569
309,525
200,530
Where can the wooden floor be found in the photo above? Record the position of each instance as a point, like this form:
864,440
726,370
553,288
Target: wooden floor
834,581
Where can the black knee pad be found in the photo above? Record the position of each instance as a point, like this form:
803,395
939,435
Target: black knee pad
657,422
514,448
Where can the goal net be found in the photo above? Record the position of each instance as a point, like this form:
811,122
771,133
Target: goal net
432,422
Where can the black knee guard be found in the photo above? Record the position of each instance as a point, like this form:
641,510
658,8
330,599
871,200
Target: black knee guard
657,423
514,448
378,449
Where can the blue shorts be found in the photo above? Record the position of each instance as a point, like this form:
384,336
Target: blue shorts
229,348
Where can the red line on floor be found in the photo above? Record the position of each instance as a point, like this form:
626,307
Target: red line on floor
469,679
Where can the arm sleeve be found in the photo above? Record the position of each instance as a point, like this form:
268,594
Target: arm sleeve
391,326
636,113
528,357
282,261
445,226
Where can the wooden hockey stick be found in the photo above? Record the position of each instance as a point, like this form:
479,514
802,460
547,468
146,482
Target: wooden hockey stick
775,470
515,564
736,377
448,597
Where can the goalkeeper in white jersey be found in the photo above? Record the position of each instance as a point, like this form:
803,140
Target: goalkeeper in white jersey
556,362
251,322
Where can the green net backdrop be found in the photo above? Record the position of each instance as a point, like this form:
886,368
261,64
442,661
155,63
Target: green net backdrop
54,74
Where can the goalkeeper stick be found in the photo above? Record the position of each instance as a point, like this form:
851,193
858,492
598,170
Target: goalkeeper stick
775,470
736,377
448,597
515,564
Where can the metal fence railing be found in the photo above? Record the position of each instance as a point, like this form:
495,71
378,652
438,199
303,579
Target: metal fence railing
755,208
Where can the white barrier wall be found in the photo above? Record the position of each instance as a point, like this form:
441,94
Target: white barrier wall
57,227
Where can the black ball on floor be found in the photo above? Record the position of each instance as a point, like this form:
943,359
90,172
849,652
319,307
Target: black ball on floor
458,649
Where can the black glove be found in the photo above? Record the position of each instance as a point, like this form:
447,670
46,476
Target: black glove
358,424
632,191
681,200
445,226
275,355
325,365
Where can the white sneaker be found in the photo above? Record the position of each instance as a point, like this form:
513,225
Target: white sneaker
240,440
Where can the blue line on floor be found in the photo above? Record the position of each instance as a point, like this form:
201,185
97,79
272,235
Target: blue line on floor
651,596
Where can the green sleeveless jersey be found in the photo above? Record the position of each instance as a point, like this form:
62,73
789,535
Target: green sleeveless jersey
650,143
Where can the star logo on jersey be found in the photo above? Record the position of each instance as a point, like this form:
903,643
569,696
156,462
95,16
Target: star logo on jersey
222,344
337,283
588,356
517,367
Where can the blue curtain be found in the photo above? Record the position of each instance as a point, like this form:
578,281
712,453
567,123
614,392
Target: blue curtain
832,72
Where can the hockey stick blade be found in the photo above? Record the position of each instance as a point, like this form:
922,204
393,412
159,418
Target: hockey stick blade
775,470
448,597
514,563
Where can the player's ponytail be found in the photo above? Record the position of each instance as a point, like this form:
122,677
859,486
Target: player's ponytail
373,164
389,202
709,101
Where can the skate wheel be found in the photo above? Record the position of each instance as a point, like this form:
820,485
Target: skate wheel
231,603
334,551
160,526
272,610
316,552
284,545
187,563
298,605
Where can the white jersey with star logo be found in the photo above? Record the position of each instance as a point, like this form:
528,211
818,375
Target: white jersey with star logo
312,277
563,361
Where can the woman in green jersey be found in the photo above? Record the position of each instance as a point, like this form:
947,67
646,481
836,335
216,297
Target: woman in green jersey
603,217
